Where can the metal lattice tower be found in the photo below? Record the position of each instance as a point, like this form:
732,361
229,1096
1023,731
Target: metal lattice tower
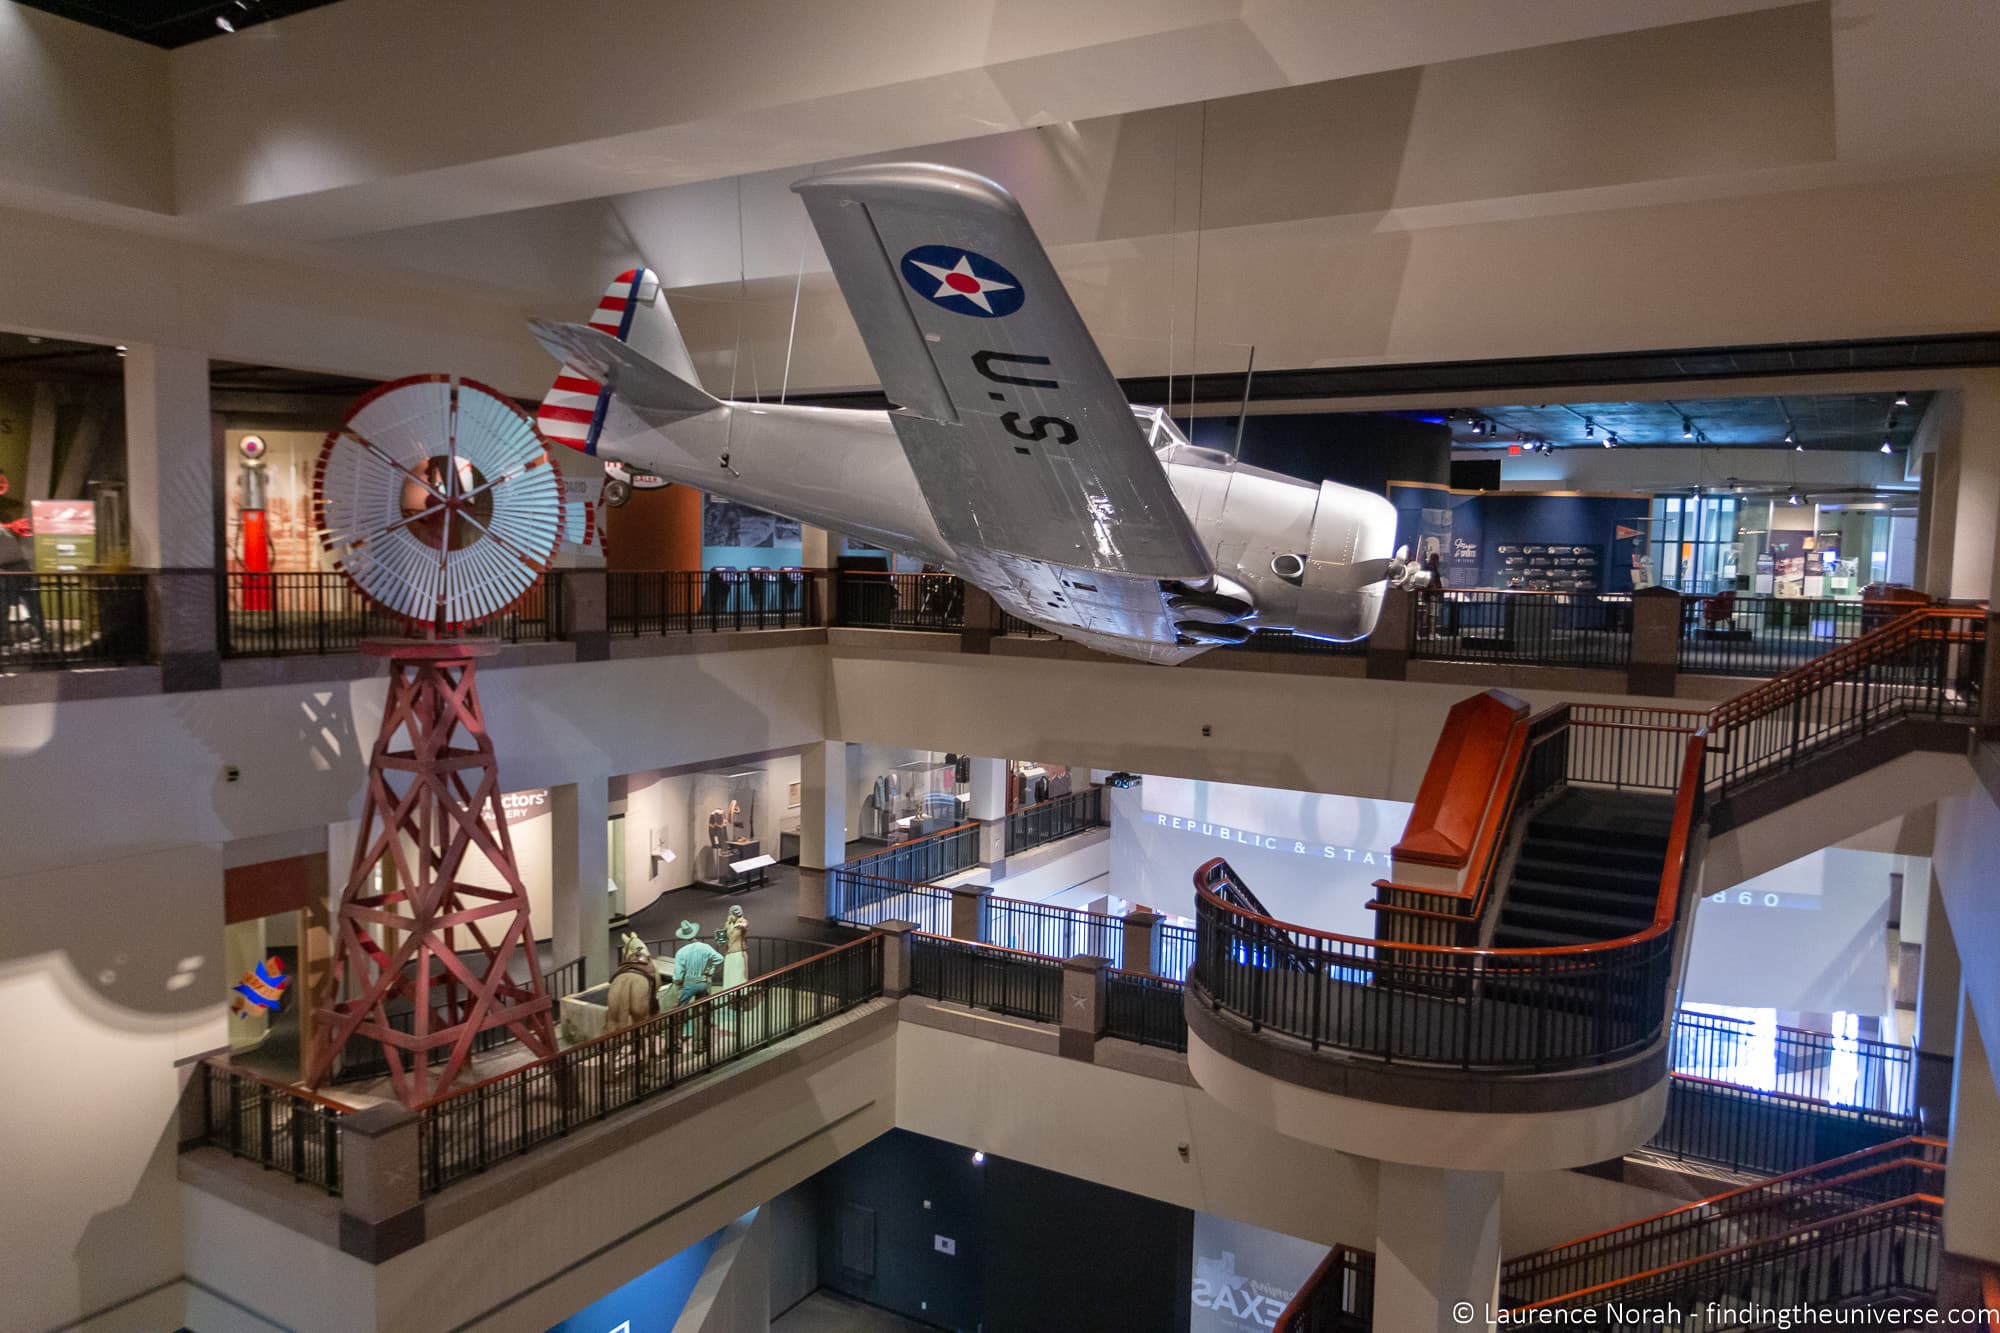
433,796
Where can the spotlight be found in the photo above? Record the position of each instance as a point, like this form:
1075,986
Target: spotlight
1902,400
1886,448
1611,440
1791,436
1589,428
979,1159
1795,497
1687,429
222,22
1798,448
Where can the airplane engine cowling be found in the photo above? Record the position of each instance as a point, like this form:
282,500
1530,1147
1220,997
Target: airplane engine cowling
1353,544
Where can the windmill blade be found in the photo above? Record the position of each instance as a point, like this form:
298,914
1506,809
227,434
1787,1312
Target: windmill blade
438,500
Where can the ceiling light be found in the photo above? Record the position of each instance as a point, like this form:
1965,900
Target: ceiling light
1798,448
1795,497
1902,400
1687,429
1886,448
979,1159
222,22
1791,436
1589,428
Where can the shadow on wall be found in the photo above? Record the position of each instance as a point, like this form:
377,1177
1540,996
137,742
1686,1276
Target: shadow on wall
321,763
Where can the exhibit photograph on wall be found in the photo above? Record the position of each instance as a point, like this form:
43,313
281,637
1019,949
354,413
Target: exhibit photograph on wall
1523,541
727,523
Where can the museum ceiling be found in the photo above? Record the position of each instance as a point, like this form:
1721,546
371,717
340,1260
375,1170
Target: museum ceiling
173,23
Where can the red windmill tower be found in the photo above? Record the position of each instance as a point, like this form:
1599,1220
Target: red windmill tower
443,508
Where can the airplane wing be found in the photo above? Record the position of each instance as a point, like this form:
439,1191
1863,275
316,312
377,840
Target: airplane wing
1022,442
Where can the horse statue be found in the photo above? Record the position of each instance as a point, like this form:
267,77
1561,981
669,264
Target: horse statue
635,987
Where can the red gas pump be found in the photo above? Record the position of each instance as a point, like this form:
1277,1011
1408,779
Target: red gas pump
254,547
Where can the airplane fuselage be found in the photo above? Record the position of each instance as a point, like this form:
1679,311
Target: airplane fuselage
1288,554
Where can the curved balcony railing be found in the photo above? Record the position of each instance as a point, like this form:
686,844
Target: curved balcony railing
1503,1010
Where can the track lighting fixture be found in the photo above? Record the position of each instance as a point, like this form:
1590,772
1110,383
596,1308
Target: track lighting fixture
1795,498
1798,448
1687,429
1886,448
222,22
1589,428
1902,399
1791,436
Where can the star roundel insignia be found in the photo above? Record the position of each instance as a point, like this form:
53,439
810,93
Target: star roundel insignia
962,281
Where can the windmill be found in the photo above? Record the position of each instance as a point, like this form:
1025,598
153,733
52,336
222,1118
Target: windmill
439,502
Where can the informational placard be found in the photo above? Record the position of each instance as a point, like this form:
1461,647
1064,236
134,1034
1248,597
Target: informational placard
65,535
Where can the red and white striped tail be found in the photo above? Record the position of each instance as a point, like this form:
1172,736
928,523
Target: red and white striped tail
572,413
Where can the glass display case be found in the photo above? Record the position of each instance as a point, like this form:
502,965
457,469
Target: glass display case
725,825
911,800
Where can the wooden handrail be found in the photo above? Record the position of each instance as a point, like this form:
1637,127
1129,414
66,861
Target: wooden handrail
1869,648
1927,1202
1478,865
1913,1141
1666,904
1331,1264
301,1094
669,1016
1800,1097
998,948
1088,788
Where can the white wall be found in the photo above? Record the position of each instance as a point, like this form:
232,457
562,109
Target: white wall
665,802
534,862
1310,858
1809,937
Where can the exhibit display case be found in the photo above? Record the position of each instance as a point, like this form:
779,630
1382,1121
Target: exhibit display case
911,800
725,832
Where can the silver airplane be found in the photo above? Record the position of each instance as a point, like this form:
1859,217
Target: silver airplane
1011,458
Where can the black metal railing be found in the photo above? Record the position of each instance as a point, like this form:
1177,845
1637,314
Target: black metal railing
1887,1254
1339,1297
1044,822
920,860
1303,645
58,622
511,1114
287,1131
1611,745
1753,1213
1841,1071
564,980
867,600
1928,664
1501,1010
1176,951
869,900
708,602
1745,1129
286,615
1145,1009
764,953
1537,628
983,976
1051,931
1026,629
1733,635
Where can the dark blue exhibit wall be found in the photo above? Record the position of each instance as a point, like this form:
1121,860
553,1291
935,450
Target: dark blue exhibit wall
1471,531
1368,450
1033,1250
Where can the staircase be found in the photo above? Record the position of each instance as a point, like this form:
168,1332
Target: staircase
1588,870
1858,1232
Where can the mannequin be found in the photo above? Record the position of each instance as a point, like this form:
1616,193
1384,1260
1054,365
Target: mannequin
736,953
718,828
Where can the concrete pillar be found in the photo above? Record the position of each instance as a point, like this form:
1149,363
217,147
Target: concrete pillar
1938,988
1437,1248
819,553
1142,941
896,957
378,1164
1971,1204
968,911
1656,642
582,595
981,621
173,447
823,804
989,789
580,888
1389,646
1082,1006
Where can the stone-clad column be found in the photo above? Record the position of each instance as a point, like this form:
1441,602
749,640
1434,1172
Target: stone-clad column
173,446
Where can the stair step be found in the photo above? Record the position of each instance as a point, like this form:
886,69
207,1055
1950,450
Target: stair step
1583,899
1642,840
1591,925
1534,937
1617,879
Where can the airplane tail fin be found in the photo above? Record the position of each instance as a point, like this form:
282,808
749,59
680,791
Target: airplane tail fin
633,311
